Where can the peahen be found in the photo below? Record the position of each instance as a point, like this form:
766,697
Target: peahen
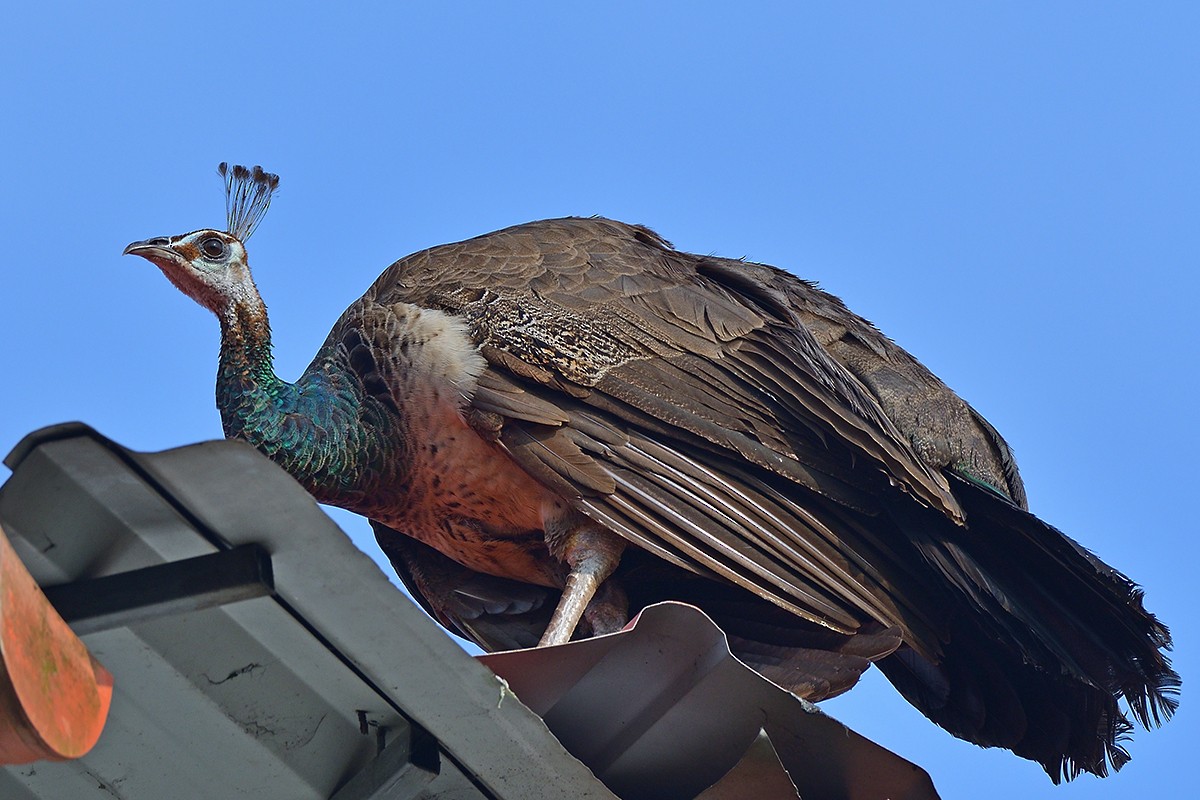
571,415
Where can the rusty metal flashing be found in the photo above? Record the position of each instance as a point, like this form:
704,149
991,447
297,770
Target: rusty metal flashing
54,695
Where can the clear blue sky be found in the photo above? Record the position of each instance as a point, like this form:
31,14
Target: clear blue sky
1010,190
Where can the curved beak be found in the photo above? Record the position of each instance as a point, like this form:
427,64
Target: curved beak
156,249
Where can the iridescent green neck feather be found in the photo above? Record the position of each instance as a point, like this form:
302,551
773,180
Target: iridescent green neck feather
321,429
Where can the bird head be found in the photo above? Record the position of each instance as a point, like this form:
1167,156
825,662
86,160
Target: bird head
208,266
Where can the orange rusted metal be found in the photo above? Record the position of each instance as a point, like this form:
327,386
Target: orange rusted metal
54,696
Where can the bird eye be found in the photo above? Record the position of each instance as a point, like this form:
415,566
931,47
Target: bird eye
212,248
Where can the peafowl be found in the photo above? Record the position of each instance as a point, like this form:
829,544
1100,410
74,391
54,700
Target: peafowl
556,424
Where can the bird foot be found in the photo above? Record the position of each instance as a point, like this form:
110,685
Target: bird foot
608,612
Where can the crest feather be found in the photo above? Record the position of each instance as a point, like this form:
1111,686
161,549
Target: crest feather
248,193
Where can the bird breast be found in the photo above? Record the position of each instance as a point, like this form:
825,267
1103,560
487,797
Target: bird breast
462,494
468,499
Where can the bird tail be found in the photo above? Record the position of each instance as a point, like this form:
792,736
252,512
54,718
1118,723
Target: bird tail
1053,640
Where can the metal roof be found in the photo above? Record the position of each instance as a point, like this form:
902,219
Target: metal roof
664,709
258,653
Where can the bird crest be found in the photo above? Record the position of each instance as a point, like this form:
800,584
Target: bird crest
248,193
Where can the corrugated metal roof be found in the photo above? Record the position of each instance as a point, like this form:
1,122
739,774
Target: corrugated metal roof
261,654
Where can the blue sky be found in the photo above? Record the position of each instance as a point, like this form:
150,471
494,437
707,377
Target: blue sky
1010,190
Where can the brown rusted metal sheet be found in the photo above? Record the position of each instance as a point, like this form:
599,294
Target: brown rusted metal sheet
54,697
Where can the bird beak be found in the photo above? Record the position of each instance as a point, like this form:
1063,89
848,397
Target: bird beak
157,249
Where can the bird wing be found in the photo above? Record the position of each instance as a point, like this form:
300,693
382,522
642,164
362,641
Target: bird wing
495,613
942,428
686,409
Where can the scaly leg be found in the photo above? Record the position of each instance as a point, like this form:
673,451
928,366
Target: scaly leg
591,553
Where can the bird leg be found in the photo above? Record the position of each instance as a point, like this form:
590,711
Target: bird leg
591,553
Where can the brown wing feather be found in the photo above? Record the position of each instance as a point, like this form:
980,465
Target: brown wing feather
615,361
522,291
941,427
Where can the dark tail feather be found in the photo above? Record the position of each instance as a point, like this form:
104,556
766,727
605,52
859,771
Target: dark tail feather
988,697
1053,639
802,657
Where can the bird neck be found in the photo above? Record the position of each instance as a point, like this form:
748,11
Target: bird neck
250,396
255,404
246,380
310,428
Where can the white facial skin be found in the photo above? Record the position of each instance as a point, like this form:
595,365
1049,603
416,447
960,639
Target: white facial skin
208,266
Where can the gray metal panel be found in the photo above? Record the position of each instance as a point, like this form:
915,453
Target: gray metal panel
389,639
664,710
259,698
